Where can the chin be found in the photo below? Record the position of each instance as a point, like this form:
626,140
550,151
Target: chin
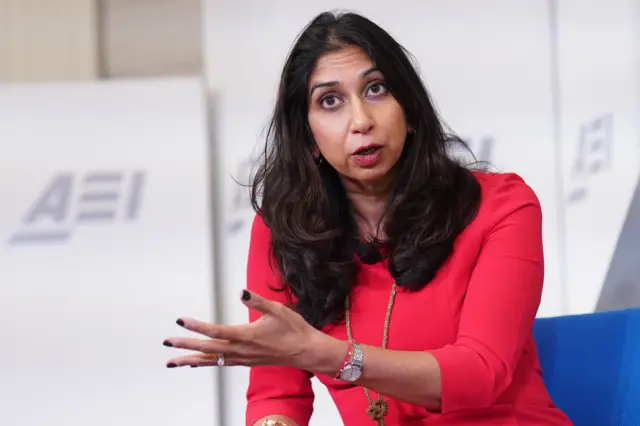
373,174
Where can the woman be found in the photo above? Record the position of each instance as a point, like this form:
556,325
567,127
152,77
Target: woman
405,282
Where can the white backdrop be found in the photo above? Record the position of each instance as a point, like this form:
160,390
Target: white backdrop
485,88
104,242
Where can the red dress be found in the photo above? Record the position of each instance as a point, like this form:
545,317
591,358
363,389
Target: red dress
475,317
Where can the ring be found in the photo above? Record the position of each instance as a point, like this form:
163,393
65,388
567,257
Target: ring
220,360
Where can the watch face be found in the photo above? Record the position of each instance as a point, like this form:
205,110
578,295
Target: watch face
350,373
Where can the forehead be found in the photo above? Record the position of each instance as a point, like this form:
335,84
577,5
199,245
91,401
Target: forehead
344,64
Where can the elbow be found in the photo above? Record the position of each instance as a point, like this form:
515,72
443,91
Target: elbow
481,390
469,379
434,404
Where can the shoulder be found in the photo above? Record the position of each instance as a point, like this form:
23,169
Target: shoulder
259,229
504,188
260,245
501,195
263,276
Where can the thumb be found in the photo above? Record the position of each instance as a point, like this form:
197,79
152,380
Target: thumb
260,304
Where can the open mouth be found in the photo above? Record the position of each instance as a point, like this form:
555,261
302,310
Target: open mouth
367,150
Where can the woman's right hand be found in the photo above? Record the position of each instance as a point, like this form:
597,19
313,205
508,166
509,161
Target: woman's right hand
284,421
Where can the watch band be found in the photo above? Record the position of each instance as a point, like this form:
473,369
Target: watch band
357,357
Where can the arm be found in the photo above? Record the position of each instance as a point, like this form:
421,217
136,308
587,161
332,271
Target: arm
274,393
496,319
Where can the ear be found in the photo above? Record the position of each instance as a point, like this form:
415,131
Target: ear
410,129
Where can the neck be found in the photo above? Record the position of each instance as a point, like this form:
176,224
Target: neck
368,201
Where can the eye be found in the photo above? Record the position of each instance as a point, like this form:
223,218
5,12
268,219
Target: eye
330,102
376,89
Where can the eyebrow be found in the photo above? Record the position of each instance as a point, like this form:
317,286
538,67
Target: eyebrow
336,83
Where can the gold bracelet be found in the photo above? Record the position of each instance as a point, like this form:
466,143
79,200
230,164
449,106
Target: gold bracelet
273,423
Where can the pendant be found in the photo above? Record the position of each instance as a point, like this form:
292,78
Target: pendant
377,410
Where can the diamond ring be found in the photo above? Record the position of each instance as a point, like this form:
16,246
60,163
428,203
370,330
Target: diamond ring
220,360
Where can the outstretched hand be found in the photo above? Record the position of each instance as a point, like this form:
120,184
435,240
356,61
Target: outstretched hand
279,337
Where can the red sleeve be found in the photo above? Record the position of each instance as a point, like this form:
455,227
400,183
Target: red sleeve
273,390
501,300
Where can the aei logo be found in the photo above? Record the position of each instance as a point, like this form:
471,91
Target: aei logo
592,156
70,200
482,148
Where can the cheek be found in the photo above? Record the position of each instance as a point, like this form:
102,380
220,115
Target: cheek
329,132
397,122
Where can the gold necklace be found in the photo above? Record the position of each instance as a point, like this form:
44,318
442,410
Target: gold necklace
377,409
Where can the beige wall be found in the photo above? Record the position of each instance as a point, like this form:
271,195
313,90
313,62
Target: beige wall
150,37
48,40
64,40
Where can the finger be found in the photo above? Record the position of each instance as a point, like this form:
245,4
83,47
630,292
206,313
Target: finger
215,331
206,360
206,346
260,304
194,360
228,362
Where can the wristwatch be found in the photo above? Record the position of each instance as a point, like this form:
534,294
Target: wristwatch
352,369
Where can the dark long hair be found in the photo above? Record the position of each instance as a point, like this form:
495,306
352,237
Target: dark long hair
313,236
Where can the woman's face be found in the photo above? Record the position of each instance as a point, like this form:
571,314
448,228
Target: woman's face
359,127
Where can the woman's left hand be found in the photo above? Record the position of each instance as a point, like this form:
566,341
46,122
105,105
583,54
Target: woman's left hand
280,337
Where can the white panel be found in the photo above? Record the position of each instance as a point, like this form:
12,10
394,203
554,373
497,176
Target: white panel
599,76
104,229
487,64
636,48
47,40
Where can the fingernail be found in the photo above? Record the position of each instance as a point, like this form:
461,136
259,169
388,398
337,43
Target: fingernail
180,323
167,343
246,295
172,365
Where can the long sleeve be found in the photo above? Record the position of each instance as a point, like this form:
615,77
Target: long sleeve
273,390
501,301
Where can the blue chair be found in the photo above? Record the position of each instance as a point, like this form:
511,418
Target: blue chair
591,366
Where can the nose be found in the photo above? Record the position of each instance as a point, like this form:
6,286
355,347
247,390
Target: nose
361,120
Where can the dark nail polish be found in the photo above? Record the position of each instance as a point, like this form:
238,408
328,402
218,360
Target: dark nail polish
167,343
171,365
246,295
180,323
194,366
